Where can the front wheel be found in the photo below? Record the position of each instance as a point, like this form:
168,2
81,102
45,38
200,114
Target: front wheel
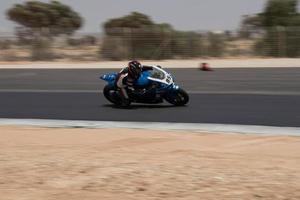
111,93
178,97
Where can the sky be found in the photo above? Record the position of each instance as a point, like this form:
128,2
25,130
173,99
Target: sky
181,14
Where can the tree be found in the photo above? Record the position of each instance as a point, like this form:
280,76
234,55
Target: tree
276,13
134,20
280,23
52,18
136,36
41,22
280,19
280,13
251,24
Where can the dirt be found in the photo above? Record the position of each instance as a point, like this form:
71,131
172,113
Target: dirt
64,164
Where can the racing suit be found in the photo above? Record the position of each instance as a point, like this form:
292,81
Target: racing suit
124,81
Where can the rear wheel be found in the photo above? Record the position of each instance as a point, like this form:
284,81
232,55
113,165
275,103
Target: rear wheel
178,98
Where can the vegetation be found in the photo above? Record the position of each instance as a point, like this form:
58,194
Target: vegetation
87,40
274,32
136,36
42,21
52,18
280,23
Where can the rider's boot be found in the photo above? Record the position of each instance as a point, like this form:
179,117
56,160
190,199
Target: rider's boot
125,101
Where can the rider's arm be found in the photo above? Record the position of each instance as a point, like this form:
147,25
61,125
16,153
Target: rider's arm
124,70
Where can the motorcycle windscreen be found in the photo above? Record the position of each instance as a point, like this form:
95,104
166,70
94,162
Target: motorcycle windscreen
157,74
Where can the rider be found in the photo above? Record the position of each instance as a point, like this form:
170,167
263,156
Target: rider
127,78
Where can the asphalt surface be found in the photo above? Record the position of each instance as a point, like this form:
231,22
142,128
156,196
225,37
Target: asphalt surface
228,96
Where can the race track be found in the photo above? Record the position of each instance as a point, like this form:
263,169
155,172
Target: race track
226,96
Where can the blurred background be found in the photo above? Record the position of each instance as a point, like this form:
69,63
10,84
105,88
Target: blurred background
70,30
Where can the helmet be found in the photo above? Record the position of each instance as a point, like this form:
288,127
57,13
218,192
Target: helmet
134,69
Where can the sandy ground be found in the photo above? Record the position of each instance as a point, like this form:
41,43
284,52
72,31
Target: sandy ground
192,63
77,164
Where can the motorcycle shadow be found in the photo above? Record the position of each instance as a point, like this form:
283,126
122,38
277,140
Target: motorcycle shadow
140,106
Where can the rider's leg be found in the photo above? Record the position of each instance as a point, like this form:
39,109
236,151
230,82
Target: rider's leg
122,91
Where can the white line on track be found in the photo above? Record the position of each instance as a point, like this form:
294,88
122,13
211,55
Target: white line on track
195,127
47,91
287,93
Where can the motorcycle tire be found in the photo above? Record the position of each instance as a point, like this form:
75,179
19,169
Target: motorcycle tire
111,94
178,98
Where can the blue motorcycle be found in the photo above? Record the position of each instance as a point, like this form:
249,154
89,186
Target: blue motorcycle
153,87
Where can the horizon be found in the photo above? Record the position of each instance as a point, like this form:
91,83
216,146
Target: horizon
203,15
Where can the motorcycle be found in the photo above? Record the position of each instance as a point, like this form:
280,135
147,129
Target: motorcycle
153,87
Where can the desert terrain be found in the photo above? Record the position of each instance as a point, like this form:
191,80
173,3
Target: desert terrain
63,164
